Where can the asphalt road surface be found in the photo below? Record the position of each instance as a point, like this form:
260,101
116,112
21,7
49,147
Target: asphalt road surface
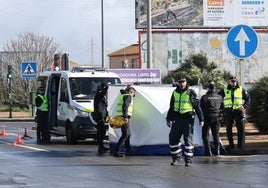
63,165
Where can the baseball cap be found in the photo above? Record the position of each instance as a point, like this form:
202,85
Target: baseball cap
131,89
41,88
211,86
233,78
182,79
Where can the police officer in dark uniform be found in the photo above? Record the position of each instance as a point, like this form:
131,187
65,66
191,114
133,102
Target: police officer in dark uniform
180,118
101,115
41,102
236,100
211,103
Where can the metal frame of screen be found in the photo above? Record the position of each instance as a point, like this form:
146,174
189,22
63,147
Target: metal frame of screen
194,14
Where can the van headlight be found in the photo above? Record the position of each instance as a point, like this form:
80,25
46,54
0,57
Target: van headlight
82,113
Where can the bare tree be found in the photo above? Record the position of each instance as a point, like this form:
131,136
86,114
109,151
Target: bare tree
28,47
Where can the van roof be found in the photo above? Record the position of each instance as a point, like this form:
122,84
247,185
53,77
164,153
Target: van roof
103,73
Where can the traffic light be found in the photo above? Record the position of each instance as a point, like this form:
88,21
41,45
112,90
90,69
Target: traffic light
9,71
57,62
65,61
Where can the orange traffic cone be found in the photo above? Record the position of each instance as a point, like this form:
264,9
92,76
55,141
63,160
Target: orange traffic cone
3,132
19,141
26,135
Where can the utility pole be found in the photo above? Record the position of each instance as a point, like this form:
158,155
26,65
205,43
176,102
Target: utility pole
102,37
149,32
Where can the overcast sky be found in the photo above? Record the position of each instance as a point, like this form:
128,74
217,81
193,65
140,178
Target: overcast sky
71,23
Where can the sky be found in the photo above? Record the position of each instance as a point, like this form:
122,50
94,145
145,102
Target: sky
74,24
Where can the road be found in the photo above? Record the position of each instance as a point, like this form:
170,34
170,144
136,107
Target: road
62,165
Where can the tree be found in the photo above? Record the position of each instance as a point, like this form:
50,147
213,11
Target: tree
198,70
27,47
256,111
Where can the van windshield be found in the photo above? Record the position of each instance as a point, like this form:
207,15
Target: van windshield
85,88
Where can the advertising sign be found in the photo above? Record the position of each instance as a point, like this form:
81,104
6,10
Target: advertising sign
138,76
171,49
168,14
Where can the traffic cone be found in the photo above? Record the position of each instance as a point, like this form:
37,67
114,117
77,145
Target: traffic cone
26,135
3,133
19,141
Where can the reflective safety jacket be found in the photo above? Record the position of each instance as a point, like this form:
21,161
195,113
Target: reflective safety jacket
44,105
237,98
182,102
120,104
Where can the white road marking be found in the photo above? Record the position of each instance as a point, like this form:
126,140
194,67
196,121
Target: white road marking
24,146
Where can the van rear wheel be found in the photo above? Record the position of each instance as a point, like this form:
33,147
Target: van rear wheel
71,139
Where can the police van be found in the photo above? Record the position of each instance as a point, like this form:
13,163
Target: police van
71,96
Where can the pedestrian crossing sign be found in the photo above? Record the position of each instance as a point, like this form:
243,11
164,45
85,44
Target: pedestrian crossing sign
28,69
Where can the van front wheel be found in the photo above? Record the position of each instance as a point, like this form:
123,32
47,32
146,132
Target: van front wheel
71,139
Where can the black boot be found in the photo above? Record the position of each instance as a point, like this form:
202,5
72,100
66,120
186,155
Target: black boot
207,151
102,149
175,160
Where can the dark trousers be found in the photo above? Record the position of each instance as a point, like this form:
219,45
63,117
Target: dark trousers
182,127
42,132
101,132
239,118
124,139
213,125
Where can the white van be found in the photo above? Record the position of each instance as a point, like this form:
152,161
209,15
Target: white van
70,95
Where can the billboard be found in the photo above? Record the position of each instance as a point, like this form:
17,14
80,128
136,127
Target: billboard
172,14
171,48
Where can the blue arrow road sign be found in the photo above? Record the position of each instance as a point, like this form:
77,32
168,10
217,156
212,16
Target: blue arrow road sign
242,41
28,69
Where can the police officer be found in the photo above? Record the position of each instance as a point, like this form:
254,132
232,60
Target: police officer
125,108
41,102
236,100
101,115
211,103
180,118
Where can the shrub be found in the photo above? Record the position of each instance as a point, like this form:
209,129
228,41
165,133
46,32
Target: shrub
256,111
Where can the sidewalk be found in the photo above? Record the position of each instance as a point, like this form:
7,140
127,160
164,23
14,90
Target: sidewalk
256,143
16,116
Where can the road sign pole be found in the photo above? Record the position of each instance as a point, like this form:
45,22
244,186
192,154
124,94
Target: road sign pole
242,42
242,81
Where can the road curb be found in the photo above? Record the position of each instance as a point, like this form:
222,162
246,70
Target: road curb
16,119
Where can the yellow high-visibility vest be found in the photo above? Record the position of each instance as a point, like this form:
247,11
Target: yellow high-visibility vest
238,101
182,102
120,104
44,105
